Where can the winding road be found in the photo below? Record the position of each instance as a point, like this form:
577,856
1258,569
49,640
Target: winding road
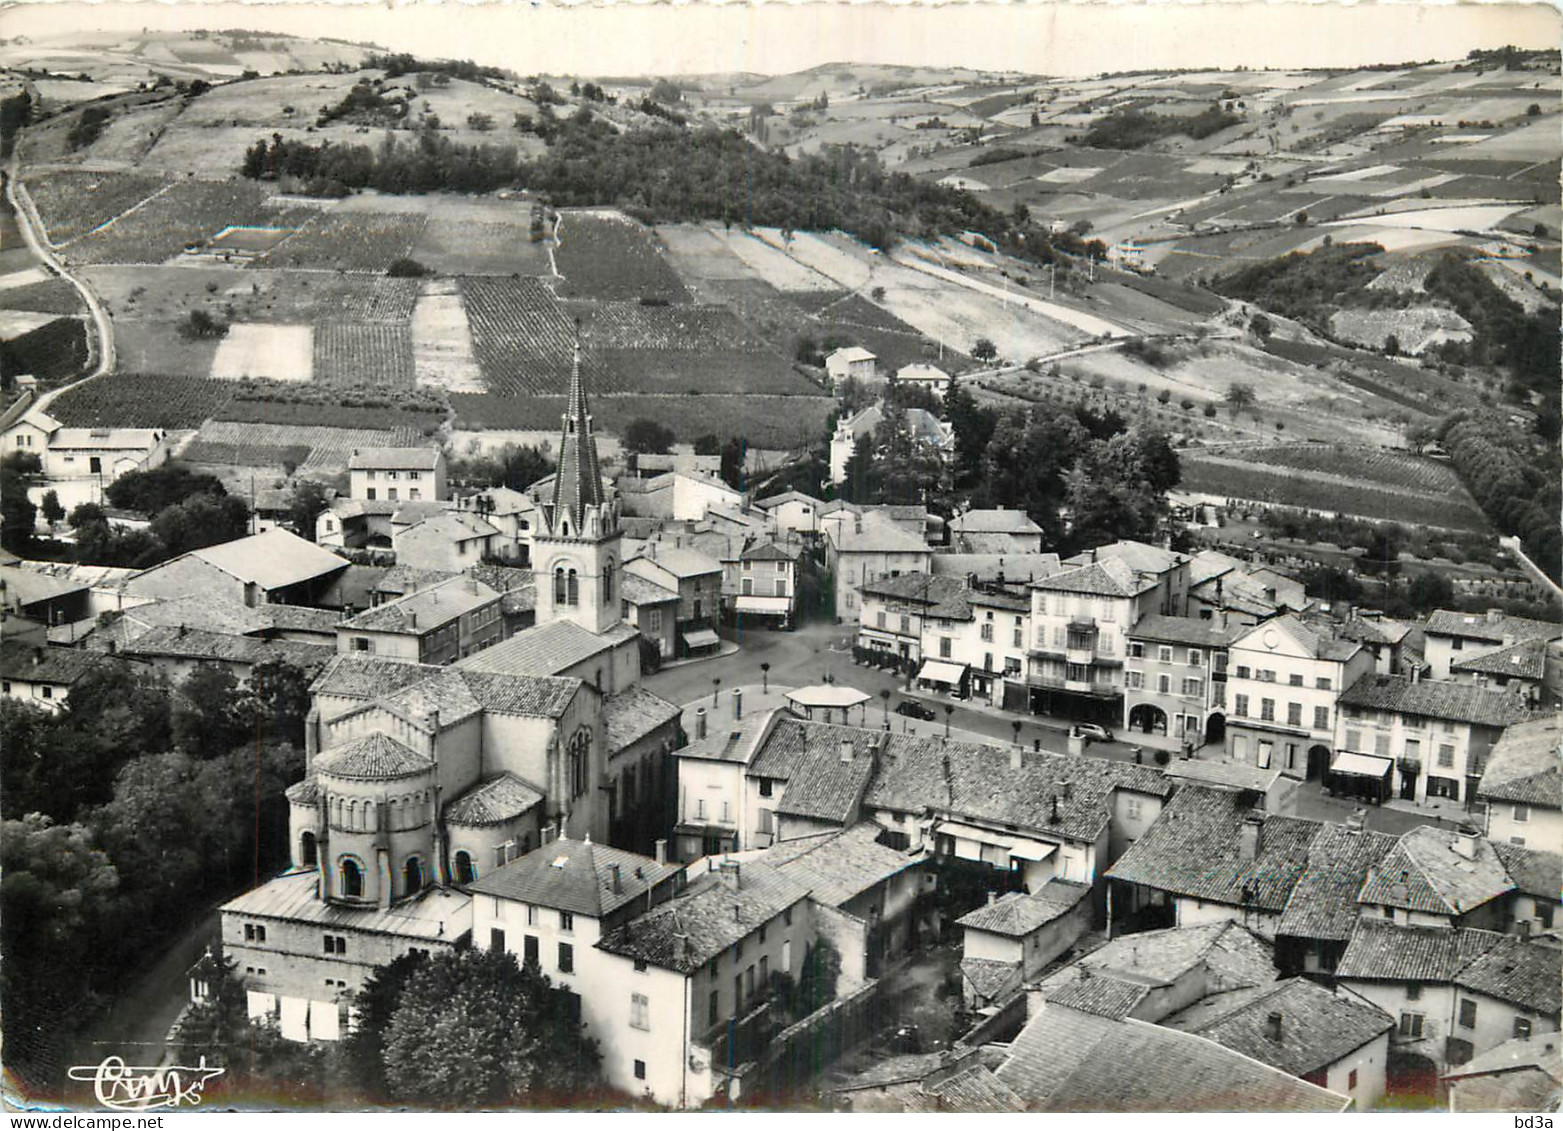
32,229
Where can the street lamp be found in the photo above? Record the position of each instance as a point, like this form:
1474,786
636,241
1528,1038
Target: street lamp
1015,726
885,695
716,687
949,709
765,678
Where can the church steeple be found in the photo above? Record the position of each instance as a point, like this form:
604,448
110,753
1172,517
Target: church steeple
578,482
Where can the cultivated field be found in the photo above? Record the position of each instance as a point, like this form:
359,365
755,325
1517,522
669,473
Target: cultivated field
370,354
277,353
442,345
779,423
310,448
141,401
606,255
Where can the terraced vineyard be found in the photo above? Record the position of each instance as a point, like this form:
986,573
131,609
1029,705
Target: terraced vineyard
1338,478
521,337
358,353
142,401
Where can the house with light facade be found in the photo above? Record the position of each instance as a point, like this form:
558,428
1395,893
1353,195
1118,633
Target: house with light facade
451,540
793,512
854,362
1424,739
1455,637
998,531
1175,680
867,548
512,514
436,624
697,578
397,474
894,613
1283,681
1522,785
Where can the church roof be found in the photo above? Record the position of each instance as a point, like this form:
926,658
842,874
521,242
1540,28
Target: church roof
372,757
578,480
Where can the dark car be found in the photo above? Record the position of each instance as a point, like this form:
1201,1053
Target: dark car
914,709
1092,732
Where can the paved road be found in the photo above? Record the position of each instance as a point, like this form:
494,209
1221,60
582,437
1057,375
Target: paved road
807,655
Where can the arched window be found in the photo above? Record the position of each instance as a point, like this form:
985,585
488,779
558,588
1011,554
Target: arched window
412,874
561,586
306,850
352,815
607,583
580,761
465,872
369,821
575,589
352,886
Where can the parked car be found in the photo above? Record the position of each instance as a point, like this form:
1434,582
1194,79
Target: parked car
1091,732
913,709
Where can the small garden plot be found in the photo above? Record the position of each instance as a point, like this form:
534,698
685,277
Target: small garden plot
277,353
349,241
1414,328
141,401
370,354
519,335
606,255
761,251
460,247
73,203
442,342
48,296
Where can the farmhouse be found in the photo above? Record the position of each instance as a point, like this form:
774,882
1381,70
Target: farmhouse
100,454
854,362
451,540
43,675
392,474
925,376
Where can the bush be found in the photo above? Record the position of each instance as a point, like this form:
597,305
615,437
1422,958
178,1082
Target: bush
406,269
1210,411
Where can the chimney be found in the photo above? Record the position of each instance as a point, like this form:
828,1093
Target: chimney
545,835
37,656
731,878
113,647
1464,844
1249,836
1067,788
681,944
993,897
700,723
1053,815
1093,555
738,702
618,883
1273,1027
1017,757
660,853
1494,616
1416,672
1357,821
846,750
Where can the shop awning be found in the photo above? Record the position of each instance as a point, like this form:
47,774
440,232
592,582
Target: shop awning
701,638
1015,846
942,671
754,603
1363,765
1032,850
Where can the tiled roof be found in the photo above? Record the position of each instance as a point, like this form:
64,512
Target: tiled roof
545,649
874,533
503,578
537,696
1000,521
1323,905
1016,569
1147,1068
973,1090
435,914
990,978
838,867
974,781
367,677
1109,578
686,933
298,618
770,551
1193,849
1426,873
393,459
907,1068
638,590
575,876
273,559
943,597
27,587
403,579
195,611
1525,659
1045,1053
446,694
493,802
1235,955
1519,1090
1543,1051
1224,775
1435,699
772,501
306,792
1019,914
681,561
221,647
1136,555
1317,1027
1526,765
373,757
822,787
425,609
632,714
1099,994
1532,871
1373,630
49,664
1478,626
1517,971
1380,951
792,740
729,740
1311,641
1209,564
1185,630
457,526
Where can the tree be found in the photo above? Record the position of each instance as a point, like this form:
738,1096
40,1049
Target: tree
53,512
203,718
18,515
305,503
1239,397
708,445
54,883
974,427
1391,345
984,350
647,437
199,324
1114,490
858,480
734,454
376,1001
1261,326
274,702
405,268
1301,218
1533,110
472,1028
481,123
148,492
202,520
